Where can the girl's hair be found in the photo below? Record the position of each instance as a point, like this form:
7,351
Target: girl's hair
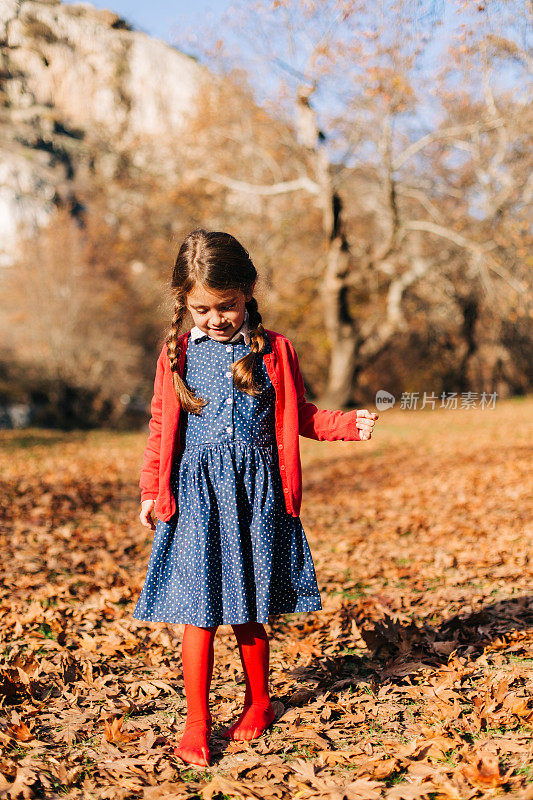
219,262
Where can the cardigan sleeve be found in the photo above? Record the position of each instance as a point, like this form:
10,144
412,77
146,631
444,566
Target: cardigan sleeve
149,481
321,424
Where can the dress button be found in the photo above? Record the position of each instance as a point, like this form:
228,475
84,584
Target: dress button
283,466
281,447
285,490
228,347
229,400
228,374
228,429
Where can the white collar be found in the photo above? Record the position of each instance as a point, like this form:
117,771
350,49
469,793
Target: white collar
244,330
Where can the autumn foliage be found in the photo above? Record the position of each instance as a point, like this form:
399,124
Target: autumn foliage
414,681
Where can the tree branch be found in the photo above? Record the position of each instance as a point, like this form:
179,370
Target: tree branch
282,187
375,337
462,241
446,133
446,233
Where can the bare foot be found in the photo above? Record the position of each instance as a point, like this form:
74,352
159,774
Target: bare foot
252,722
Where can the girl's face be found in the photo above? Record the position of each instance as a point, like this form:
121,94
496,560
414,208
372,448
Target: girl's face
219,314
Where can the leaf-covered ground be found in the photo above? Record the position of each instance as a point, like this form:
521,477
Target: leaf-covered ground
414,681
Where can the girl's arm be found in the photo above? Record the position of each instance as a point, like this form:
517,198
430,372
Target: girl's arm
322,424
149,482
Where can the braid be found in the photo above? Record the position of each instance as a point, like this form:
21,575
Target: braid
187,399
180,309
243,369
257,332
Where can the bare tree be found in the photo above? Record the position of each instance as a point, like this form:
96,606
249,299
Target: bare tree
364,64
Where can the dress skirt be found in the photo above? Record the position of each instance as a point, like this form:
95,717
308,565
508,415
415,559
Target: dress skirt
231,553
235,556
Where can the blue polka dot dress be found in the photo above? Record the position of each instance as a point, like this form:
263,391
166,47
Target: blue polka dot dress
231,553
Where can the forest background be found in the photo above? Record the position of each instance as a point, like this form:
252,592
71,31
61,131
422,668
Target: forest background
381,183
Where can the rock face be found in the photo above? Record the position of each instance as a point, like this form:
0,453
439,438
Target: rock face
78,90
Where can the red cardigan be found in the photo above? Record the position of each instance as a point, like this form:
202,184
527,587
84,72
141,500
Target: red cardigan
294,417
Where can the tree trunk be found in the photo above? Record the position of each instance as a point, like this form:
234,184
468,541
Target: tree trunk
339,324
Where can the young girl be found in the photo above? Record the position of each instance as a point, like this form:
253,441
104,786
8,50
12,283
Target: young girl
222,473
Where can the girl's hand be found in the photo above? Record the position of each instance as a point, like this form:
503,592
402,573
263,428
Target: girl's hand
146,514
365,423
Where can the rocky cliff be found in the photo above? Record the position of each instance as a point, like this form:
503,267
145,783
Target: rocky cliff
80,90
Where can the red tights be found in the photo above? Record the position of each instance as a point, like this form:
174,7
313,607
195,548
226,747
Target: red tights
197,658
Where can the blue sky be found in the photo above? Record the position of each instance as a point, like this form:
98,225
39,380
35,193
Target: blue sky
160,17
166,19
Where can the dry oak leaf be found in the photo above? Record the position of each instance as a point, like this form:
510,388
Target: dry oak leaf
67,776
519,706
68,733
332,757
220,785
113,732
20,732
22,785
301,696
444,648
278,707
355,718
423,771
382,769
434,747
328,789
409,791
363,789
304,768
166,790
485,771
452,790
308,732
